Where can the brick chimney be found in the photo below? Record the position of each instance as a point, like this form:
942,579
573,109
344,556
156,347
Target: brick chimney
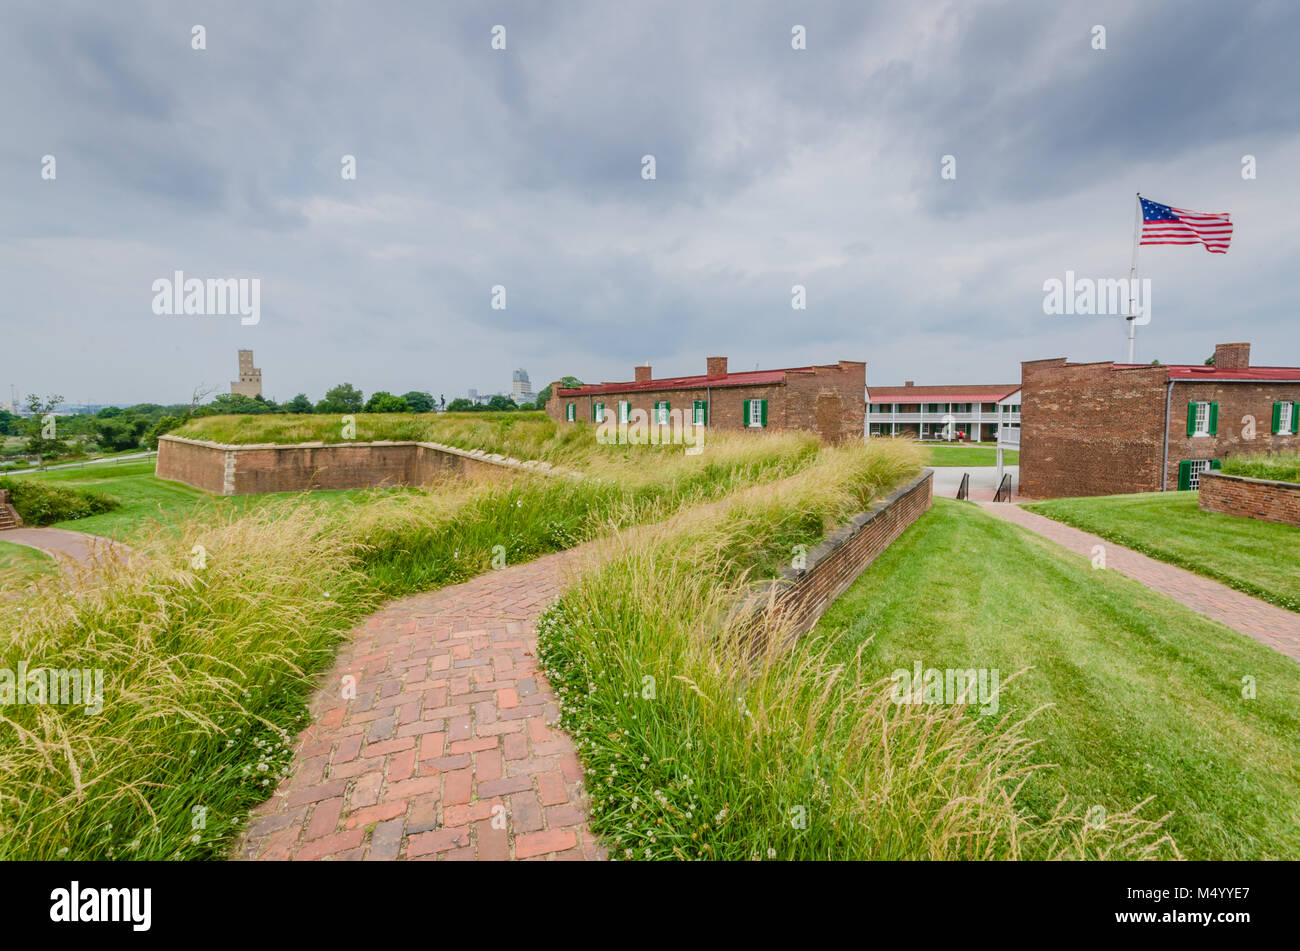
1231,356
909,383
717,366
642,373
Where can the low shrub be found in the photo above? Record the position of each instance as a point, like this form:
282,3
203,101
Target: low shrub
41,503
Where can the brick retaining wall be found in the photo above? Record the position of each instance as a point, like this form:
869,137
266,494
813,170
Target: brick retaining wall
242,470
794,602
1263,499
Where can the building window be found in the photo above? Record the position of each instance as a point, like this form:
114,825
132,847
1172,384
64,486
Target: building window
661,412
598,412
570,413
699,412
1202,419
1189,472
754,413
624,411
1285,418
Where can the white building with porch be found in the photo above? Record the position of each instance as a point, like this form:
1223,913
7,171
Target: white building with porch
969,413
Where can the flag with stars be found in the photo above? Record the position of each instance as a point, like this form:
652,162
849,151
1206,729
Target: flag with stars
1163,224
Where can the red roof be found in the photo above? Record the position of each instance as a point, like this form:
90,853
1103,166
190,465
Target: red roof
751,378
953,393
1191,371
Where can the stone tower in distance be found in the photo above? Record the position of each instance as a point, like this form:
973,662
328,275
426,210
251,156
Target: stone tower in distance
250,377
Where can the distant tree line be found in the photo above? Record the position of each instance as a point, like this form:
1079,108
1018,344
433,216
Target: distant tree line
45,435
119,429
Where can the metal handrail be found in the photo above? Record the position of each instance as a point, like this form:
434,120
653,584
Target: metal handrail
1003,493
963,490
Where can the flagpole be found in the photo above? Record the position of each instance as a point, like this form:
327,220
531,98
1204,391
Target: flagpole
1132,271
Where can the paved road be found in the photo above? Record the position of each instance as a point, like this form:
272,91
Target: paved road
1270,625
81,465
69,549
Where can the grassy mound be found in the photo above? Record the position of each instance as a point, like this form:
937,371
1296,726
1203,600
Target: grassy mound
693,750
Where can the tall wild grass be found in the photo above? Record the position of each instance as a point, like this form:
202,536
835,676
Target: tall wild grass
210,636
1278,466
694,749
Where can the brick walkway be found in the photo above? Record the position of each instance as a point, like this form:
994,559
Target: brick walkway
446,751
1270,625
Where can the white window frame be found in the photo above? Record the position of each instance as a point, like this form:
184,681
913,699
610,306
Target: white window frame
1194,472
1285,424
570,413
599,412
755,414
661,412
624,411
1202,426
697,412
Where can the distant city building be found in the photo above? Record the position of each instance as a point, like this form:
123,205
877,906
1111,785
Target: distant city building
521,391
250,377
480,399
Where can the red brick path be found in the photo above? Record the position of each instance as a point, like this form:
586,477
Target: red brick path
447,751
1266,623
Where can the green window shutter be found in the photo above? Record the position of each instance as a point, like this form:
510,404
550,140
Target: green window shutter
1277,417
1214,418
1191,418
762,409
1216,463
1184,476
706,411
1295,419
744,412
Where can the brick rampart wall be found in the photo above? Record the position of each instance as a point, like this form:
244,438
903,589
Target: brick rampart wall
1263,499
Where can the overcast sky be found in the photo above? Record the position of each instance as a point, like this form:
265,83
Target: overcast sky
523,168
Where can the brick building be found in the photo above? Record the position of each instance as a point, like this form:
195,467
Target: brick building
1110,428
823,399
975,411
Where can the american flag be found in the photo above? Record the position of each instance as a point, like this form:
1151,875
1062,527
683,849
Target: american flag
1162,224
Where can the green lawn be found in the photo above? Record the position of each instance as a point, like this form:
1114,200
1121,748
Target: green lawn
1259,558
133,483
1147,696
146,498
24,561
957,455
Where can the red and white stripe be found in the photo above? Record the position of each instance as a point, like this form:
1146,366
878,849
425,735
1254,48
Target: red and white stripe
1193,227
